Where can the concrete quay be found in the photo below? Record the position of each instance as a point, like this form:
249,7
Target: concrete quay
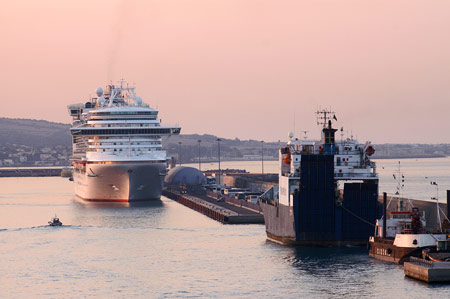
427,271
219,211
30,171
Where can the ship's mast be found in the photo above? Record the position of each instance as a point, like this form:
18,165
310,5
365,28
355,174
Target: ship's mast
400,178
324,118
306,135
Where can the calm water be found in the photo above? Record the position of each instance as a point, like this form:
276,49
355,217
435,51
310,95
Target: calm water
166,250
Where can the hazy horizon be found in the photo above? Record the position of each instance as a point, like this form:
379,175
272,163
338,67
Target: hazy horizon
248,69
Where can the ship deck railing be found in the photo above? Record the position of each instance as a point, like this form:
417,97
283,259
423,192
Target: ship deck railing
421,262
386,240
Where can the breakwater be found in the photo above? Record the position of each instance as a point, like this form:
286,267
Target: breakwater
31,171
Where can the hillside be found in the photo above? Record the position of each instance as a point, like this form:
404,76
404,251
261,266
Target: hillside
35,133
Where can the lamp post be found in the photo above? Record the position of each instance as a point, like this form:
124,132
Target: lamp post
199,163
262,157
218,145
179,152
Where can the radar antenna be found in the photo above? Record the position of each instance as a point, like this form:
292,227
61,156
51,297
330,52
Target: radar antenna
325,116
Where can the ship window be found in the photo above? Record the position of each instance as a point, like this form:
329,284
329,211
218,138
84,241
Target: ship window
115,150
125,131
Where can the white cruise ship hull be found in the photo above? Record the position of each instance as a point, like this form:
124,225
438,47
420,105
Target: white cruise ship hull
121,182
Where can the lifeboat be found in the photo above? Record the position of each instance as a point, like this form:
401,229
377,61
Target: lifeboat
287,159
370,150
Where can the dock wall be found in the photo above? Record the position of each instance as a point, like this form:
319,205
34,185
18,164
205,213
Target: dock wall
243,203
427,271
206,209
30,172
214,211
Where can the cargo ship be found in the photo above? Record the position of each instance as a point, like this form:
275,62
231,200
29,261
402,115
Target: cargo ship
327,193
117,150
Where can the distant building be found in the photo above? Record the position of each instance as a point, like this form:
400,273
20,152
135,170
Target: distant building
46,150
45,156
8,162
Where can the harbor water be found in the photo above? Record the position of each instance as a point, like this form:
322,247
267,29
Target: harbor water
162,249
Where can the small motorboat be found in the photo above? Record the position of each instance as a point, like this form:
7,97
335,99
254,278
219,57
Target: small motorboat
55,222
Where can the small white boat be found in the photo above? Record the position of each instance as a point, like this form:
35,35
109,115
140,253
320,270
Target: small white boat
55,222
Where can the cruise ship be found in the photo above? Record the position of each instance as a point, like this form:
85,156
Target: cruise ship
327,193
117,149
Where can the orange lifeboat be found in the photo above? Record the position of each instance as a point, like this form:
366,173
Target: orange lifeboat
287,159
370,150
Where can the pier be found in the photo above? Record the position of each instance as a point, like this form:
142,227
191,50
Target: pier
427,271
223,212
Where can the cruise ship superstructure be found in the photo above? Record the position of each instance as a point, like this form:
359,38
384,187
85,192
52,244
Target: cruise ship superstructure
117,149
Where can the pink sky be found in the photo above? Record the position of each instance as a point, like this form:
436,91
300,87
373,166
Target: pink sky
237,68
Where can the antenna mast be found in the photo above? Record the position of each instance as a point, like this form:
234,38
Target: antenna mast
324,116
400,178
